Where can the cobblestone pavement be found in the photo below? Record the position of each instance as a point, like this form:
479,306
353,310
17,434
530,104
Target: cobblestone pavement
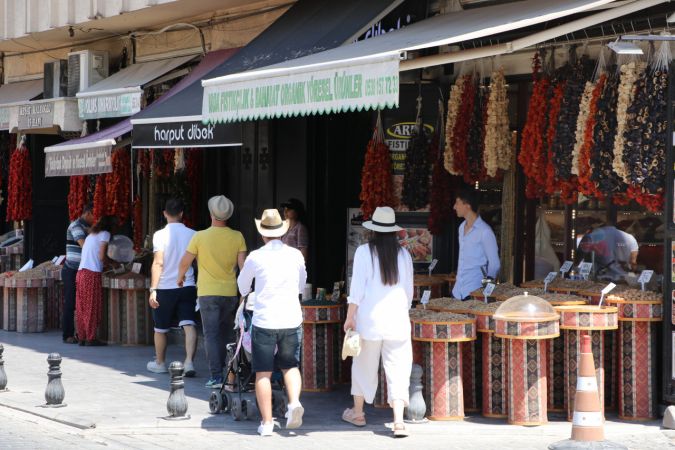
114,403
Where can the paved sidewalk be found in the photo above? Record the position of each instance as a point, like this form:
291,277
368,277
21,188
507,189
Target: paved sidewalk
111,398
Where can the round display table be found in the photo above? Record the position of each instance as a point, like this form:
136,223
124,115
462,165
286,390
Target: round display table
596,322
526,322
27,298
321,320
441,333
639,314
126,318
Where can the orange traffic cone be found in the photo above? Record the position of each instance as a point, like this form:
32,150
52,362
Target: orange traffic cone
588,424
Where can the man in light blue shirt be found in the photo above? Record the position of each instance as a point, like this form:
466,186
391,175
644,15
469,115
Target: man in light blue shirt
477,247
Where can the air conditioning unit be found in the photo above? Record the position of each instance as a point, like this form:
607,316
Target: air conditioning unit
56,79
85,68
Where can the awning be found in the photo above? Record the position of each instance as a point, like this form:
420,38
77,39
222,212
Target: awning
91,154
342,79
119,95
48,116
16,92
309,26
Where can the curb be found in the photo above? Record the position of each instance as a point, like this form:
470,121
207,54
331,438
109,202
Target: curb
64,419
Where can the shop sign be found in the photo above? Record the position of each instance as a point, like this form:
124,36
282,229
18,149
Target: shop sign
103,106
397,137
4,118
36,115
406,13
86,161
342,86
185,134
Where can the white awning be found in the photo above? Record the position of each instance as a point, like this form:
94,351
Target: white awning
119,95
16,92
368,66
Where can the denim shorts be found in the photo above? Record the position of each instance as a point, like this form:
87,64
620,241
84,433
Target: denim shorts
286,341
175,304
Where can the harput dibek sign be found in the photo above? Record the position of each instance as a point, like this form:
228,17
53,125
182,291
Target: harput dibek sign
185,134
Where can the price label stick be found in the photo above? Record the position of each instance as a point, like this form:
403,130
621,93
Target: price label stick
550,277
606,290
645,276
488,290
585,269
432,265
567,265
426,295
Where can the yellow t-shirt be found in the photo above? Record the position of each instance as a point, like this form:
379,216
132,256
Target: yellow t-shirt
216,249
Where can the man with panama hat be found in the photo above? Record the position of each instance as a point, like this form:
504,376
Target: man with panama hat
280,274
218,250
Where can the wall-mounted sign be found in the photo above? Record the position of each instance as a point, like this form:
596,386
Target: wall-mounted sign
85,161
36,115
115,105
4,118
186,134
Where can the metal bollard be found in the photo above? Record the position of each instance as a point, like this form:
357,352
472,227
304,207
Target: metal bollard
417,408
54,394
177,405
3,375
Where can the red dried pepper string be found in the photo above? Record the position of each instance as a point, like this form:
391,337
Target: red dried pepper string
100,204
586,185
460,135
376,179
19,186
119,184
551,185
77,195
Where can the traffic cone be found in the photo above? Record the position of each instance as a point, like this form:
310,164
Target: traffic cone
588,424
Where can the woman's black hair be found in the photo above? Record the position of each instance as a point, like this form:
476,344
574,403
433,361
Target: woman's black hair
105,223
386,246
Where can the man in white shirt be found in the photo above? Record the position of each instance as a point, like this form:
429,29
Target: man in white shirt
280,275
167,299
478,250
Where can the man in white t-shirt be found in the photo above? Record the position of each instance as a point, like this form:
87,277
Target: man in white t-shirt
167,299
279,273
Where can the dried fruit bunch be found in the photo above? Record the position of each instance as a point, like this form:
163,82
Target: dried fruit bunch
475,164
586,185
376,182
454,105
497,133
459,141
19,186
416,180
629,75
582,120
77,195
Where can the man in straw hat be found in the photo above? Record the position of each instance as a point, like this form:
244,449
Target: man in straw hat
219,250
280,274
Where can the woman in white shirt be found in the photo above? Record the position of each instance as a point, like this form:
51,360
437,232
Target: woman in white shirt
380,297
89,288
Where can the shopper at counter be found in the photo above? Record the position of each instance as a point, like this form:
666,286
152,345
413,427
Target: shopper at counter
478,252
381,293
280,274
297,235
75,236
166,298
613,251
219,250
89,294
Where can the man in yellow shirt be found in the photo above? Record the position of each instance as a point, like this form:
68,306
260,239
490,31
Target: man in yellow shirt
219,250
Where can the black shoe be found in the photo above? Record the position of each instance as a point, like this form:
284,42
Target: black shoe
95,343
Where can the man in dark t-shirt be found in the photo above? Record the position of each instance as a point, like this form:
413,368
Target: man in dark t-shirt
75,236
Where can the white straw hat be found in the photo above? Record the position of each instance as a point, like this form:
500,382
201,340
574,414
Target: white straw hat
270,224
221,207
383,220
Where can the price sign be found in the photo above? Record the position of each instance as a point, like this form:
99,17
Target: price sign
27,266
426,295
585,269
488,290
54,259
606,290
550,277
567,265
136,268
645,276
432,265
60,260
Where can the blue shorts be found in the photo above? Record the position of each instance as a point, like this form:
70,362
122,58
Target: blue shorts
179,303
286,341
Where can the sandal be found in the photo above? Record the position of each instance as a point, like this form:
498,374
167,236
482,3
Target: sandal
358,420
399,430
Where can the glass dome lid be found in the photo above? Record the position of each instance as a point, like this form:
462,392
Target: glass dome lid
526,307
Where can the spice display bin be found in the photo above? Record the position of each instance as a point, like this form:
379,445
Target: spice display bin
321,322
126,318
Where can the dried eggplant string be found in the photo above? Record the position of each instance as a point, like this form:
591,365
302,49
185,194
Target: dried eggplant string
416,178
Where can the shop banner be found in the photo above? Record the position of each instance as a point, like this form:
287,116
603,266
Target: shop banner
348,85
105,106
86,161
4,119
35,115
185,134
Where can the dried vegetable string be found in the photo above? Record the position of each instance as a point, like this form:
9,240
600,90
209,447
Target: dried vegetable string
100,197
460,134
440,207
586,184
454,105
627,84
77,195
376,179
557,91
497,132
475,164
416,180
19,186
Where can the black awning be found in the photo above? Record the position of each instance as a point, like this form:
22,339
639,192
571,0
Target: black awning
308,27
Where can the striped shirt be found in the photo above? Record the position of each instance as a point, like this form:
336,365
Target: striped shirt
76,230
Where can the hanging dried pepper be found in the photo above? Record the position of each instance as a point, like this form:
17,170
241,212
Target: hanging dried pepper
531,156
460,134
119,185
19,186
138,223
77,195
100,200
475,149
454,105
586,184
144,163
582,121
376,180
557,93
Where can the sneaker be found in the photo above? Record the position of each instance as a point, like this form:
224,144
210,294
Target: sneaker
155,367
214,383
267,429
294,416
189,370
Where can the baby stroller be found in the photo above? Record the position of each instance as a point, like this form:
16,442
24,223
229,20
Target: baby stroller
239,398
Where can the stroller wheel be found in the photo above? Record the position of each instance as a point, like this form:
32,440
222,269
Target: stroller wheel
236,408
216,403
250,407
279,403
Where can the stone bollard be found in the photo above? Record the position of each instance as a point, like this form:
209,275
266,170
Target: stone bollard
54,394
177,405
417,408
3,375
